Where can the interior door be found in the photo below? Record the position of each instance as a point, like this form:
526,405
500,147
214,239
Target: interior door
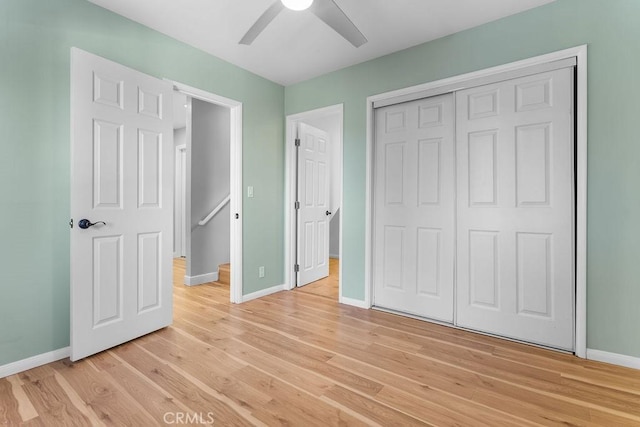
314,198
121,173
414,207
515,201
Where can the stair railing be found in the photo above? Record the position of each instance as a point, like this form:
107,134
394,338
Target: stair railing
215,210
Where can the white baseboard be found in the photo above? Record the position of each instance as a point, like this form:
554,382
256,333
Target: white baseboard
199,280
354,302
613,358
263,293
34,361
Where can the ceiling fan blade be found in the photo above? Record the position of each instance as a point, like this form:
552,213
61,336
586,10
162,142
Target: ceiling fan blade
262,22
329,12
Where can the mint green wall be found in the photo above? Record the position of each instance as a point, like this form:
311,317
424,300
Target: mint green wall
35,41
611,28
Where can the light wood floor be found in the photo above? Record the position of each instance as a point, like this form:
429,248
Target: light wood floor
300,359
327,287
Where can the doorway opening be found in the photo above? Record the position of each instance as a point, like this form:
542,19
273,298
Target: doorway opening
314,201
208,187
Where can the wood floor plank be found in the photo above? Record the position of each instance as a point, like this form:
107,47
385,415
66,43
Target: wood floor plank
280,368
52,403
25,407
77,401
216,370
155,401
429,410
339,376
428,391
375,411
108,400
290,406
9,412
547,382
189,393
432,375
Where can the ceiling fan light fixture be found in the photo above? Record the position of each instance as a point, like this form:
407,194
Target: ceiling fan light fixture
297,4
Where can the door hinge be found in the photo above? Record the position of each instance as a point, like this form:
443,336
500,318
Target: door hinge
237,216
296,205
296,268
297,142
71,223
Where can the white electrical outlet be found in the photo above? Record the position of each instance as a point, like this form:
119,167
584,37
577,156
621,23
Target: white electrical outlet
250,191
261,271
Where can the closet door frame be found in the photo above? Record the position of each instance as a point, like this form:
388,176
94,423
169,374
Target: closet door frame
579,54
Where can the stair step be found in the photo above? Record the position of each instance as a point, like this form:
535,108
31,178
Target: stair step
224,274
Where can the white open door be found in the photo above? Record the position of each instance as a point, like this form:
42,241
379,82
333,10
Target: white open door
414,221
121,173
313,196
515,237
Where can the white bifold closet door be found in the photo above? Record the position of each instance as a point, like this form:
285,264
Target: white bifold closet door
515,208
414,208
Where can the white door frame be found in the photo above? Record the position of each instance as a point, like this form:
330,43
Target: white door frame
458,82
235,185
180,181
290,189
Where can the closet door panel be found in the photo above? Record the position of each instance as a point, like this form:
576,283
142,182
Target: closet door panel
515,208
414,213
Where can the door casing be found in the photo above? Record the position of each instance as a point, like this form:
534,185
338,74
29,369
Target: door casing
180,202
458,82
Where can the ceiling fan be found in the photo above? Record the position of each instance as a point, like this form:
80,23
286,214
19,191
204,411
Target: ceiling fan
327,10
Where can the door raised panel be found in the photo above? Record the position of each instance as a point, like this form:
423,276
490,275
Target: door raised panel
533,95
322,180
483,168
107,280
150,103
149,271
429,260
483,104
534,274
107,164
310,143
483,269
149,168
322,145
108,91
322,244
533,165
308,196
309,243
396,121
394,173
393,257
429,165
429,116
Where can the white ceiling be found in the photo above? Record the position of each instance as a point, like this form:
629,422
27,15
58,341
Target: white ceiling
297,46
